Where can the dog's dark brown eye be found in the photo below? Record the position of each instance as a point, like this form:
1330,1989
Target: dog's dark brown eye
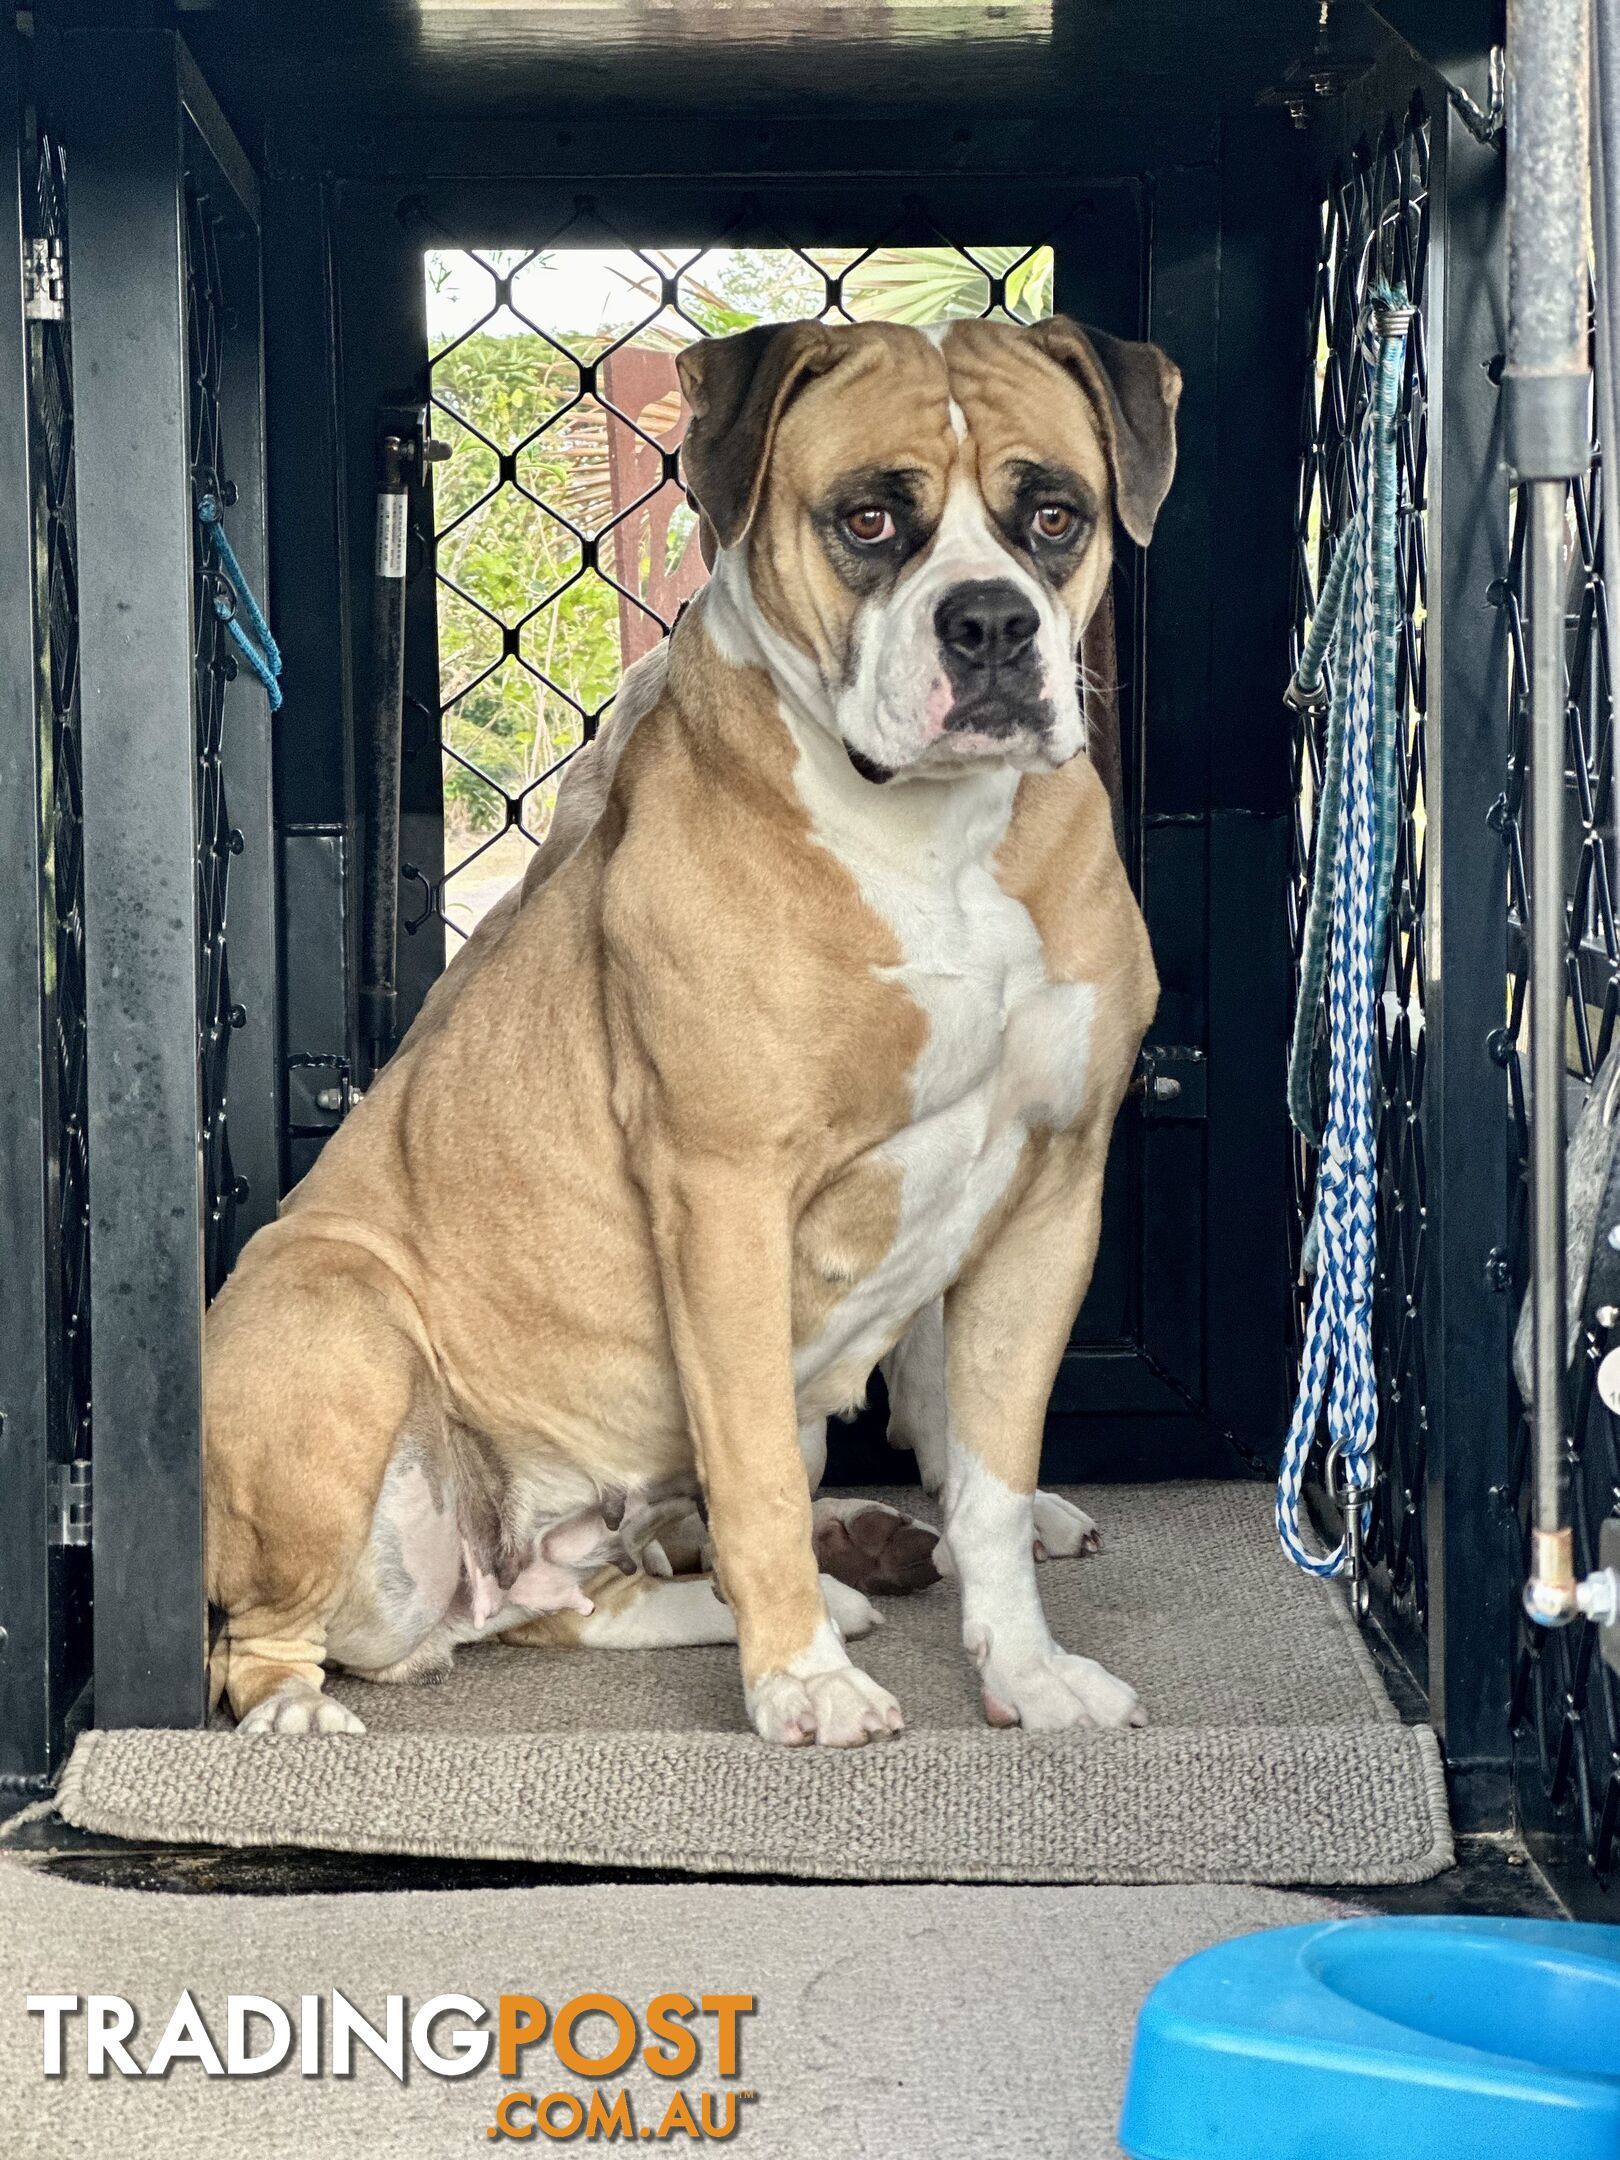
1054,521
869,525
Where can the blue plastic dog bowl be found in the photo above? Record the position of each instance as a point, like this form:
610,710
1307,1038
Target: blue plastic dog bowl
1367,2039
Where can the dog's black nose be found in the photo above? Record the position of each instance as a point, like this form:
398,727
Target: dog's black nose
986,624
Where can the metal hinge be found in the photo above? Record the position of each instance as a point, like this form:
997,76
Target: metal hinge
69,1491
1173,1081
44,281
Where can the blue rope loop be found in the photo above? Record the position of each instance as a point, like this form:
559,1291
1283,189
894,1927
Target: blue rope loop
231,592
1357,832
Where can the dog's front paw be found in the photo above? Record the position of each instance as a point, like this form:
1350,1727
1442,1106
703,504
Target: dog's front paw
298,1708
840,1707
1062,1529
1050,1691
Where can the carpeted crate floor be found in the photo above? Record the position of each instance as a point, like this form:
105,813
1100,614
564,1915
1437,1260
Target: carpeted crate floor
1272,1755
888,2023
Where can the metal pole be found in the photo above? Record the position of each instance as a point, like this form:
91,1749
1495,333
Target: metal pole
1606,205
1606,252
1550,1592
1547,388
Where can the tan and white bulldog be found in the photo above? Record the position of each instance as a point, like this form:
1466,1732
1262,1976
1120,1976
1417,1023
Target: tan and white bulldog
797,1051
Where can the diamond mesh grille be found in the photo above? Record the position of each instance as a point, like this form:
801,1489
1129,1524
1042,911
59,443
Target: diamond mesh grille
56,556
207,324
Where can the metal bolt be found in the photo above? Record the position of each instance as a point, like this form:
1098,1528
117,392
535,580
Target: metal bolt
1606,1315
1164,1087
3,1638
1598,1597
1614,1238
333,1098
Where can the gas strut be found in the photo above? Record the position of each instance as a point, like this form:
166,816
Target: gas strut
404,447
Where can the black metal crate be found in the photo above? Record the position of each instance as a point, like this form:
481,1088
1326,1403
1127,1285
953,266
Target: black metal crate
189,1002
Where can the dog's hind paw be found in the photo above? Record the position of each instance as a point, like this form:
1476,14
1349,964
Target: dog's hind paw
852,1613
669,1538
1062,1529
299,1709
874,1548
430,1664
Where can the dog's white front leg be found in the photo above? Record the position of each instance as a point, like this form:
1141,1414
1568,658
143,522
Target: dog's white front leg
1025,1678
1006,1323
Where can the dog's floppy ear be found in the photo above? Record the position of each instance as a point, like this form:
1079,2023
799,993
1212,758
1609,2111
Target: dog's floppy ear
1135,389
738,388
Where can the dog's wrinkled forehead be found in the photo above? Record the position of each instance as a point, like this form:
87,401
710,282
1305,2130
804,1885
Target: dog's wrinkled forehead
786,411
954,449
947,401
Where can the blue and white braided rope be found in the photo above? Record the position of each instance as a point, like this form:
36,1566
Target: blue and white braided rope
1336,1368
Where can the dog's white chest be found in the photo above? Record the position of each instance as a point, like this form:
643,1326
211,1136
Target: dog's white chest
1005,1045
1006,1051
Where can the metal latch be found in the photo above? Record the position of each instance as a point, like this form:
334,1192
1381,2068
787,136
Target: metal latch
44,281
1173,1081
68,1489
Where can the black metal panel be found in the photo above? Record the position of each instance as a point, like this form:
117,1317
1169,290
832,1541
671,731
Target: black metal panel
138,596
317,1004
159,189
386,89
1267,249
1566,1701
1472,1594
313,738
44,1313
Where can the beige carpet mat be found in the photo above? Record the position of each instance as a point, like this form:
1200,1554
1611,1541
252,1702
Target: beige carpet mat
888,2023
1272,1756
